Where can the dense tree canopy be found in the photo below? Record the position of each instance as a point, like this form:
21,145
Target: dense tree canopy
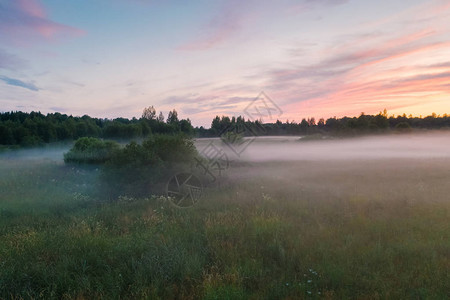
31,129
364,124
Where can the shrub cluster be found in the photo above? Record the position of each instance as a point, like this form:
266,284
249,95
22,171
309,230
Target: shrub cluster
91,150
136,169
140,169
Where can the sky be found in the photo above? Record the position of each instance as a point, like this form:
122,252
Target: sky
310,58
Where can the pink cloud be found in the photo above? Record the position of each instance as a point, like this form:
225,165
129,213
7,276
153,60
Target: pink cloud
367,78
25,21
442,8
374,76
387,67
371,96
32,8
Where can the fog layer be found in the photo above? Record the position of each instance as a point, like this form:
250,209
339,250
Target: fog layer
426,145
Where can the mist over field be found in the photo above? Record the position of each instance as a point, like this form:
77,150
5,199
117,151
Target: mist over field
320,217
400,146
431,145
427,145
406,167
50,153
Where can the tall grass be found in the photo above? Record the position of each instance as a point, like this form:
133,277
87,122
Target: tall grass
257,237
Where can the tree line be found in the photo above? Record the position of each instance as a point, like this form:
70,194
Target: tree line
31,129
346,126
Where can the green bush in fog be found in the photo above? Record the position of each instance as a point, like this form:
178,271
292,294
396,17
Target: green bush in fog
135,169
89,150
138,169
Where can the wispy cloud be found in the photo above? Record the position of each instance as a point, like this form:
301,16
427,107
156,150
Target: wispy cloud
10,61
233,16
229,100
16,82
363,72
25,21
371,76
227,21
296,6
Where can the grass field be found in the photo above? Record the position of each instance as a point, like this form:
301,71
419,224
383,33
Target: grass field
333,229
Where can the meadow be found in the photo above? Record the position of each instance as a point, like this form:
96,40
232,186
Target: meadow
318,223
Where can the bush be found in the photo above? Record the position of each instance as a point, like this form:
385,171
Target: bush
88,150
139,169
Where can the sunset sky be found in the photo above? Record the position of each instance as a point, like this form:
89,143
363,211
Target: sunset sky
313,58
